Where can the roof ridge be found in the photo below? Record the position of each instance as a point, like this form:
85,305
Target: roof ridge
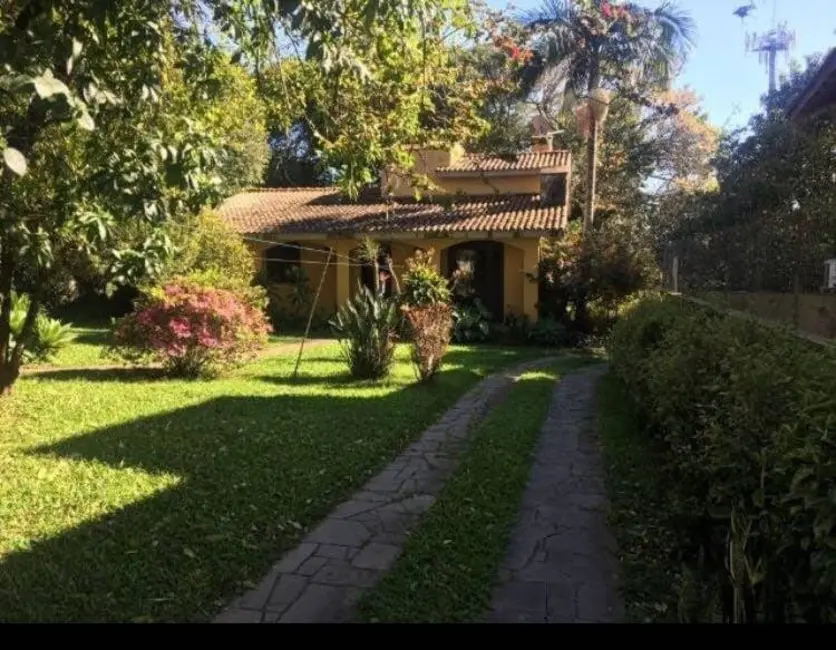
299,188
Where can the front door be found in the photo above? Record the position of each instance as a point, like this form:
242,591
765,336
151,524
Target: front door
483,260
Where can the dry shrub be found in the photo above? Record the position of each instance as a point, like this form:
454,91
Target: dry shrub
431,326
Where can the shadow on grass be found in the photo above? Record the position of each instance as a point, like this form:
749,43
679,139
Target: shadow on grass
253,471
122,375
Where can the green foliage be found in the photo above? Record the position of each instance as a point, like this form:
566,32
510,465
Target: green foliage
48,336
105,139
206,244
422,284
472,323
366,327
740,412
513,330
550,333
770,224
289,306
608,266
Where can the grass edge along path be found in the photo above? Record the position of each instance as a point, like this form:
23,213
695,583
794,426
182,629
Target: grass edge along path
447,570
649,572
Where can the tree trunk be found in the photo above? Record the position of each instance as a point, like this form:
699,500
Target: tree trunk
6,274
8,377
591,175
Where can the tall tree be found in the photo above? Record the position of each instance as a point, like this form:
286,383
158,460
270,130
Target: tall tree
597,45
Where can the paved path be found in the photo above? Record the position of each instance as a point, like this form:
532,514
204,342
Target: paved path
322,578
561,563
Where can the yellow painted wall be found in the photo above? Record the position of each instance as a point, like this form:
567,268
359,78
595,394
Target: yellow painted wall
427,160
482,185
514,272
521,256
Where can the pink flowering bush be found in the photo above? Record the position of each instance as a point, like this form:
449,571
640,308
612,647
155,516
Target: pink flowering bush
193,330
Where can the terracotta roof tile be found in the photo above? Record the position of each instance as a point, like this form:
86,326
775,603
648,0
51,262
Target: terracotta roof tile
519,162
323,210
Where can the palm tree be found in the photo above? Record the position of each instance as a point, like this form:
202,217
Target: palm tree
598,45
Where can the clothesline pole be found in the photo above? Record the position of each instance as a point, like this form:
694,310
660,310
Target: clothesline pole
310,316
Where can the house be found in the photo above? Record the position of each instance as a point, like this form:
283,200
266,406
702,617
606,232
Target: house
486,213
819,93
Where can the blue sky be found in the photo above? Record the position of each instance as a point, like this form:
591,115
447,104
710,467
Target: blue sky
729,80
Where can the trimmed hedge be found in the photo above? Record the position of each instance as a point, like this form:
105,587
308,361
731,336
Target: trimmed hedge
745,417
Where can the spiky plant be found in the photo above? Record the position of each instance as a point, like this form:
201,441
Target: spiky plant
366,328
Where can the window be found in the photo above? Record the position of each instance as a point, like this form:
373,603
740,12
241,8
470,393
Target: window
553,189
282,263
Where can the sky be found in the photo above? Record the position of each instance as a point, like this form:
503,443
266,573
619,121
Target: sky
729,80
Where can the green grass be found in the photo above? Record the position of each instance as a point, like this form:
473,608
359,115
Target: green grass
638,505
88,348
449,564
125,496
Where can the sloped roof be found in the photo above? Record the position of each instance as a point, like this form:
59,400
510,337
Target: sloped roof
512,163
314,210
819,93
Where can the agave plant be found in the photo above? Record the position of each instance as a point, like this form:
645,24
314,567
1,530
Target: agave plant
48,336
366,328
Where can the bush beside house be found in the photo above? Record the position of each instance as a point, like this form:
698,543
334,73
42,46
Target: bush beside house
204,313
425,302
193,330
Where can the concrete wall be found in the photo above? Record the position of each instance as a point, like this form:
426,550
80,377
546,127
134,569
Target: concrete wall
814,313
521,255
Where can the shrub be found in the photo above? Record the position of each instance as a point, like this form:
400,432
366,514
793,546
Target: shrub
513,330
422,284
472,323
289,305
585,280
366,328
431,327
48,336
425,302
206,245
741,414
548,332
193,330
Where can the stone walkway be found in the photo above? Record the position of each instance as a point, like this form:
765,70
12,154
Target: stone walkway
561,563
322,579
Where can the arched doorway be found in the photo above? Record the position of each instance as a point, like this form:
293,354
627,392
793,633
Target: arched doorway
483,262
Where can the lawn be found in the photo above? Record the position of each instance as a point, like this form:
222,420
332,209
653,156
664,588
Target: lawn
449,565
90,343
638,498
127,497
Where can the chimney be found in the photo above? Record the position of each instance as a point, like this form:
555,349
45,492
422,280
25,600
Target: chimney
542,143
